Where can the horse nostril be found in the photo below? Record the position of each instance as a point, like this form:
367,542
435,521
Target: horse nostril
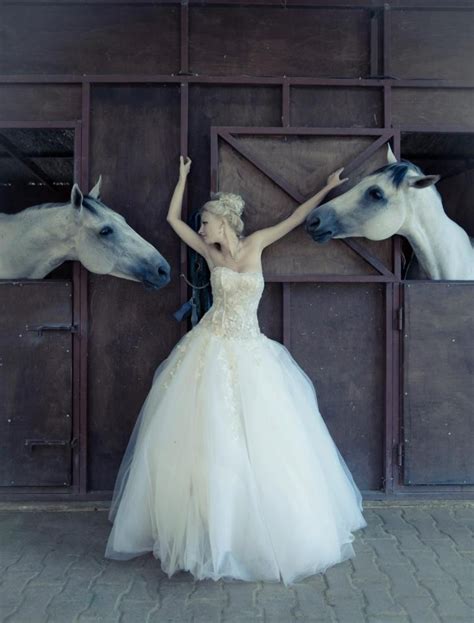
313,224
163,272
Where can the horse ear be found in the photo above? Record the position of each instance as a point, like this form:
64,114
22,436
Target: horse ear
423,181
95,192
76,197
390,155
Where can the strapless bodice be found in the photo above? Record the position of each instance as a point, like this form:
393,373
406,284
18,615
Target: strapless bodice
235,302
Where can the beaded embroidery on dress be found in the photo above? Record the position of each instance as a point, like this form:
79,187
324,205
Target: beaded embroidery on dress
230,471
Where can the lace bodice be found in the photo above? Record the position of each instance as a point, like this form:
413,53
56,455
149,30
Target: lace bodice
236,298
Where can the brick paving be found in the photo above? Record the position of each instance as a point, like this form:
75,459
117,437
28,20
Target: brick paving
414,564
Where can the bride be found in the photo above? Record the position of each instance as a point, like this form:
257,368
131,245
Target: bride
230,471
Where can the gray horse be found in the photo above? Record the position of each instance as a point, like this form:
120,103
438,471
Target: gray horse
39,239
399,199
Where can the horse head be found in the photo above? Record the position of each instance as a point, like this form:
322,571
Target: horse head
107,245
376,207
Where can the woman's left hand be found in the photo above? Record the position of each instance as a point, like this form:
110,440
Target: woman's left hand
184,166
335,180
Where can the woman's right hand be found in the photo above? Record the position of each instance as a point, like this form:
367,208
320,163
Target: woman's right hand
184,167
335,180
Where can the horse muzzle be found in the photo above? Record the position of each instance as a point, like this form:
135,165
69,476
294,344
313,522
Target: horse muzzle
321,226
154,278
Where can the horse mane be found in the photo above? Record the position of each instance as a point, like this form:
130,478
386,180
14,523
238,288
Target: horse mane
87,202
45,206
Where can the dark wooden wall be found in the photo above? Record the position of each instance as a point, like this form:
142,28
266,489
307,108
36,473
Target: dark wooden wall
141,83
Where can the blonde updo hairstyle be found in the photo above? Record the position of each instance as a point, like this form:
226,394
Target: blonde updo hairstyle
229,206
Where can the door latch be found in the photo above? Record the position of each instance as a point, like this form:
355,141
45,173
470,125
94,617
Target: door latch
70,328
31,443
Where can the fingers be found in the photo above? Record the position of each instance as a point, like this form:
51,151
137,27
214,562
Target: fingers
337,174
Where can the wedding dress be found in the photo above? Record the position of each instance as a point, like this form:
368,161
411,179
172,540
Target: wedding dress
230,470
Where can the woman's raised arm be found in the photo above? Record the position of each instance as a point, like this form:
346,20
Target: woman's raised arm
267,236
186,233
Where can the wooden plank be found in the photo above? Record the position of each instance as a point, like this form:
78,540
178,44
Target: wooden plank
337,107
432,44
279,41
438,392
81,282
337,336
39,102
223,105
36,387
131,330
433,108
108,39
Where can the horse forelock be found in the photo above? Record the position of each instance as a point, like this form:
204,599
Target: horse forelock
397,171
95,206
91,204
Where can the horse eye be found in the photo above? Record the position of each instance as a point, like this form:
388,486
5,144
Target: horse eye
375,193
106,231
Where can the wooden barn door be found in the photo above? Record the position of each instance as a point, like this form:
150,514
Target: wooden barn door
131,330
36,335
329,304
438,392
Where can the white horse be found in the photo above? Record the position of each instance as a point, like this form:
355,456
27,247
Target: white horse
38,239
399,199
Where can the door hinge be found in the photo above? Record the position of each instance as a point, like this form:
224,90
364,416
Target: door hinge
400,454
399,321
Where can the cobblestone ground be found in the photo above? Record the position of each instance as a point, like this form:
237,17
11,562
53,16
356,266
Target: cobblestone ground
414,563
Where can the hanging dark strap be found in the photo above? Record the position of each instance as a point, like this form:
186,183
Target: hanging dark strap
201,298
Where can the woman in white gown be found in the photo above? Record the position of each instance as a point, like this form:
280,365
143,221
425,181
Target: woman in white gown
230,471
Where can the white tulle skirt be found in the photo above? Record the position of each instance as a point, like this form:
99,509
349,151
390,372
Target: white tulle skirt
230,470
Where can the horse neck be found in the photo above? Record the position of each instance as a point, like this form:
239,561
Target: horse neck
442,248
42,238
